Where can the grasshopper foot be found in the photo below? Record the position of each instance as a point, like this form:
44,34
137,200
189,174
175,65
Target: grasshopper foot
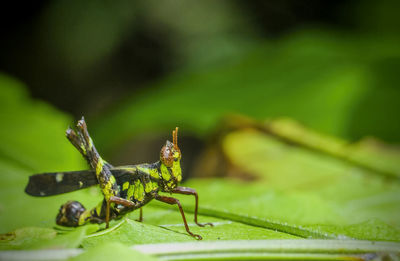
205,224
198,237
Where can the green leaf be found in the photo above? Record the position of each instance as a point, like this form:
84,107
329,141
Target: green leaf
24,238
44,238
109,251
165,225
131,232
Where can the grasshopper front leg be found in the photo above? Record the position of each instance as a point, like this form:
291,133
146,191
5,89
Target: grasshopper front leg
173,201
190,191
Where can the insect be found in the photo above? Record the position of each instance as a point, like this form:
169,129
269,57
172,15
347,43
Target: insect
125,188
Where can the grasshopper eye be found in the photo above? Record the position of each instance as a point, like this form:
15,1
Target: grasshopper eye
167,156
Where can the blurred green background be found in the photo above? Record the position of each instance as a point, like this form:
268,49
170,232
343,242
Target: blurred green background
333,65
137,69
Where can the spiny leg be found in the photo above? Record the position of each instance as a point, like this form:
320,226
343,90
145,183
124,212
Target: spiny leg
82,141
190,191
74,139
173,201
106,179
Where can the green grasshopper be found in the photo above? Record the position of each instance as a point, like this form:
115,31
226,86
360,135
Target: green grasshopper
124,188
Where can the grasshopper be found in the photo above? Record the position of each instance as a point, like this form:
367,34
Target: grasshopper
125,188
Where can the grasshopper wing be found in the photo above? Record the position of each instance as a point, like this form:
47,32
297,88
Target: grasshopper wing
48,184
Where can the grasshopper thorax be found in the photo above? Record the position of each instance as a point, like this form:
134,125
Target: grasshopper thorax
170,157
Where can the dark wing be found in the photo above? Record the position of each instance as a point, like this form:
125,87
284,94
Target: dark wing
48,184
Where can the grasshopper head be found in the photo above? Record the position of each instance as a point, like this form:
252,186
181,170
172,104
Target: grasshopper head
170,152
170,157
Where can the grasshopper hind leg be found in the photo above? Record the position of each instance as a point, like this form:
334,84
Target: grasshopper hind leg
84,143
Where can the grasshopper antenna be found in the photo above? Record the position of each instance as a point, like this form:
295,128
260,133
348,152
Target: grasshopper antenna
175,137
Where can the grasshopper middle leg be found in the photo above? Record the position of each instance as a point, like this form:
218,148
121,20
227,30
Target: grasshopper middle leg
190,191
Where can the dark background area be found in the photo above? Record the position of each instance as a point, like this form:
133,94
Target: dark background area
144,53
